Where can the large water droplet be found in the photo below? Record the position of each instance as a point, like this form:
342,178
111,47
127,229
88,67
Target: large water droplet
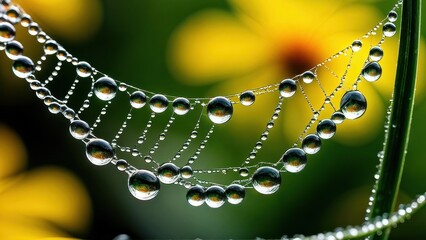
105,88
356,45
186,172
7,32
99,151
14,49
326,129
158,103
50,47
181,106
235,193
137,99
168,173
215,196
389,29
372,71
220,110
196,196
266,180
23,67
287,88
311,144
294,160
84,69
247,98
353,104
308,77
79,129
143,185
376,54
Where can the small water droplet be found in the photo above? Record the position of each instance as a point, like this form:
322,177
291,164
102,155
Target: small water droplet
14,49
372,71
79,129
215,196
287,88
143,185
121,165
7,32
196,196
105,88
33,29
247,98
376,53
148,159
294,160
389,29
235,193
168,173
23,67
392,16
42,92
84,69
219,110
244,172
137,99
353,104
186,172
338,117
50,47
311,144
266,180
158,103
99,151
308,77
356,45
326,129
181,106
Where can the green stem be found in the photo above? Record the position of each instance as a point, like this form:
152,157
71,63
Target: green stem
395,148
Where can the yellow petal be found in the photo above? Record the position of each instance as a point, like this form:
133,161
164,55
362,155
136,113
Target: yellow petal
21,228
12,153
213,45
48,194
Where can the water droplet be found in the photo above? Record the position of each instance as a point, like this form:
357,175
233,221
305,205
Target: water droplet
294,160
158,103
196,196
61,54
247,98
99,151
143,185
235,193
181,106
220,110
186,172
79,129
25,20
353,104
50,47
311,144
23,67
308,77
42,92
376,54
356,45
215,196
287,88
266,180
33,29
84,69
372,71
138,99
244,172
168,173
13,14
7,32
389,29
14,49
121,165
338,117
392,16
54,108
326,129
105,88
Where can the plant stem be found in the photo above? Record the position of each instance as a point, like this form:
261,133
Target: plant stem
398,132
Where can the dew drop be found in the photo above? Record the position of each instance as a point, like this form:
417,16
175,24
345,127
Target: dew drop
14,49
143,185
266,180
353,104
105,88
168,173
235,193
121,165
23,67
244,172
338,117
311,144
196,196
326,129
392,16
215,196
50,47
181,106
294,160
79,129
158,103
372,71
356,45
308,77
7,32
99,151
220,110
287,88
84,69
186,172
376,54
389,29
247,98
137,99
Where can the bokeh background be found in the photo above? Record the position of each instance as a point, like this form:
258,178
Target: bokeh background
180,48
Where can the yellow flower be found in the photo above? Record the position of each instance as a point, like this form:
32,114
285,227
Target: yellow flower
263,42
41,203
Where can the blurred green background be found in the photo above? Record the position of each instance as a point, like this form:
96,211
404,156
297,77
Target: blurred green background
133,45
